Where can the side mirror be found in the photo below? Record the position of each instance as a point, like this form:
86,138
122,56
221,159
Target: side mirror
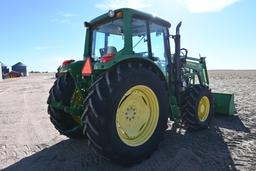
183,55
182,50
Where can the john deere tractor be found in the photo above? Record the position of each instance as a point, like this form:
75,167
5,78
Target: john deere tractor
122,93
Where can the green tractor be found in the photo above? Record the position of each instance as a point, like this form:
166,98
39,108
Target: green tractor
122,93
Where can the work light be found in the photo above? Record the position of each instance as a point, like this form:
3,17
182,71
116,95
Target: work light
111,13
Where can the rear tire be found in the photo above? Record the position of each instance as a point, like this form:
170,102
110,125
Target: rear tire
62,91
103,103
198,107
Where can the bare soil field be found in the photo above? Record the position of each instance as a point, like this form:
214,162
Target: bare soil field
28,141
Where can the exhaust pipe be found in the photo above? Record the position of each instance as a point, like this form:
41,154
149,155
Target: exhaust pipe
177,63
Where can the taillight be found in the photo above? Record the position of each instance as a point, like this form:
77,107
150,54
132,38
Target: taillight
107,58
87,69
66,62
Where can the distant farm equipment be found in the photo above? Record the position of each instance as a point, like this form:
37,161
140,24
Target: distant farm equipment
14,74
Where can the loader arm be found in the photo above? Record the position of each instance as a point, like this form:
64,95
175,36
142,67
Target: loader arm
196,67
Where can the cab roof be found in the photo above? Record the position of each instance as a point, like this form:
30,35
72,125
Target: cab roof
133,12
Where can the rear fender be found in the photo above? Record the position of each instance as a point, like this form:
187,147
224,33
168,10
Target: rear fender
75,69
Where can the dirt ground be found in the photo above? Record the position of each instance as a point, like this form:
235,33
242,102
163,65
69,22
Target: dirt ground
28,141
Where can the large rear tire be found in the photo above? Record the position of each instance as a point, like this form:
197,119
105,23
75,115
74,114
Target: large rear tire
198,107
126,113
62,91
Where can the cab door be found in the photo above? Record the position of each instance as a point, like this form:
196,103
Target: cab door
159,50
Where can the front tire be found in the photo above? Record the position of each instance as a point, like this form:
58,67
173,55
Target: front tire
126,113
198,107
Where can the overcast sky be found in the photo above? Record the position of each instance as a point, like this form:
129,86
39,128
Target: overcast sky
42,34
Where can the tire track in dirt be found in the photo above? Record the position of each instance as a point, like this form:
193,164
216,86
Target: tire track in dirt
24,127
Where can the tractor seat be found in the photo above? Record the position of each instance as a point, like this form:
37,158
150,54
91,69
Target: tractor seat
111,50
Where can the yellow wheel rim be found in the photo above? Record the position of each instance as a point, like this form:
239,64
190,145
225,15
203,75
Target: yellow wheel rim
137,115
203,108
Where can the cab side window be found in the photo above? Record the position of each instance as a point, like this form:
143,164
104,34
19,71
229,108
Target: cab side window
139,37
158,35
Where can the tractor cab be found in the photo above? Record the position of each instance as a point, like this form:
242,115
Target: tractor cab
127,33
